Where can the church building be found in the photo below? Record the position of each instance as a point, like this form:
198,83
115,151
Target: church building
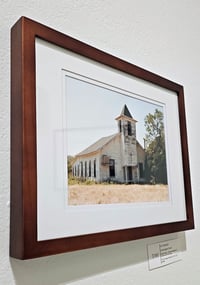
118,157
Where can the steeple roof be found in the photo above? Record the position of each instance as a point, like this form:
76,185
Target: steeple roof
125,112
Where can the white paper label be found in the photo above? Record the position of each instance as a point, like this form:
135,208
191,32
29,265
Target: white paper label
163,253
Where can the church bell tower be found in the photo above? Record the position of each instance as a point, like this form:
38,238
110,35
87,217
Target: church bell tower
127,129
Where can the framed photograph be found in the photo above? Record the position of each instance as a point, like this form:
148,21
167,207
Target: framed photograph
99,151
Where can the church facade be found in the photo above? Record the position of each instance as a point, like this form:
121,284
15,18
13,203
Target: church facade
118,157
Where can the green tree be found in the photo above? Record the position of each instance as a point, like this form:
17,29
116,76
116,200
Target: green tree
155,155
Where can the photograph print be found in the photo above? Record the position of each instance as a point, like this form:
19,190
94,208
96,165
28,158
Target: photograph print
116,149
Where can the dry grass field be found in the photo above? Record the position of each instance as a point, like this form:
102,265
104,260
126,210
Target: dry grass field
115,193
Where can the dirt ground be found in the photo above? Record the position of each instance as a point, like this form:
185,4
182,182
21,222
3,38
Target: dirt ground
115,193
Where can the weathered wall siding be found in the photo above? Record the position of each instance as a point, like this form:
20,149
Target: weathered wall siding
113,150
140,154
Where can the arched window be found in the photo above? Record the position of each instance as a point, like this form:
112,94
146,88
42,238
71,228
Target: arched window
81,166
89,174
112,167
85,168
94,167
120,126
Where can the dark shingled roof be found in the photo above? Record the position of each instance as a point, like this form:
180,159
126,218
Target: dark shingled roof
125,112
97,145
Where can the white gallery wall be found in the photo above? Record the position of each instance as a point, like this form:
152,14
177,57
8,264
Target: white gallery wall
159,35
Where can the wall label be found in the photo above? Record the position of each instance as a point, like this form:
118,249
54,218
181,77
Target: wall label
163,253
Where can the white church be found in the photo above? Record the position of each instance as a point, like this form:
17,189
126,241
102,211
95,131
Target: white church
118,158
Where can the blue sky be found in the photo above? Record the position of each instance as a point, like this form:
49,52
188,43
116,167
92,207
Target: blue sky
91,112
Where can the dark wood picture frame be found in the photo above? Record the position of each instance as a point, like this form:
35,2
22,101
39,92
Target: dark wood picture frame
23,219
